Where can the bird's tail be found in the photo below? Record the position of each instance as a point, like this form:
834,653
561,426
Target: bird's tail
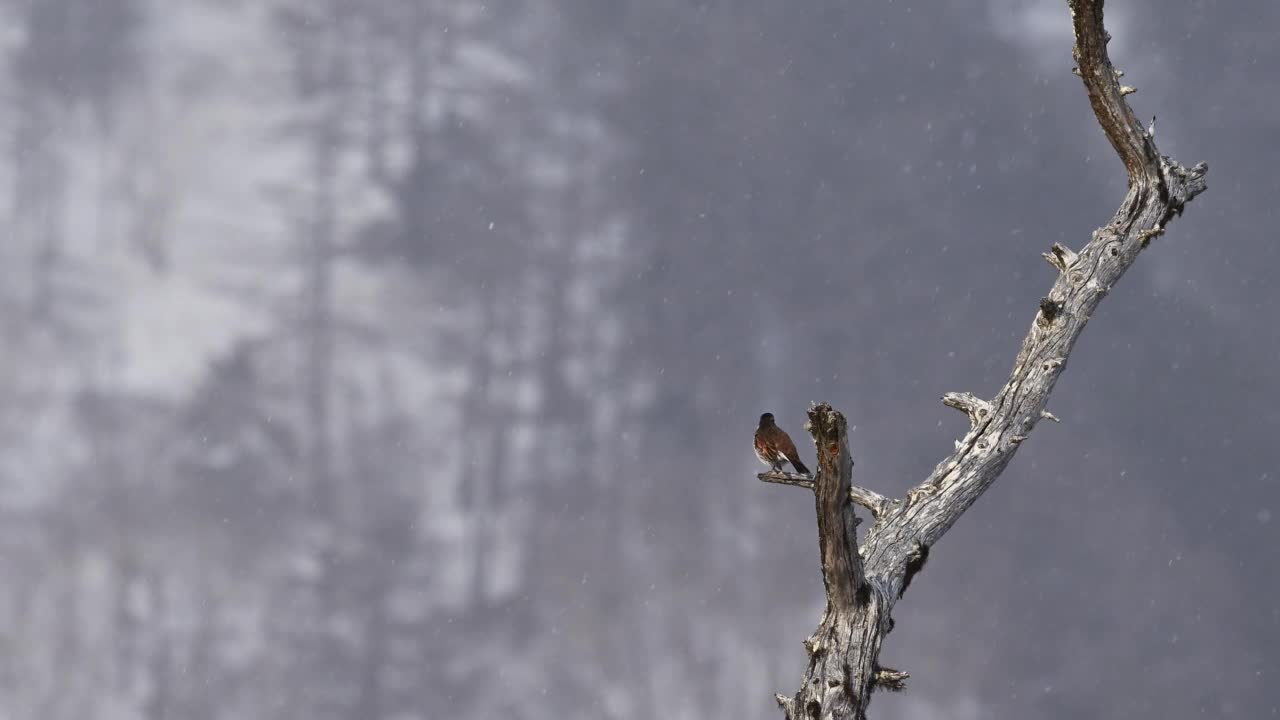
799,466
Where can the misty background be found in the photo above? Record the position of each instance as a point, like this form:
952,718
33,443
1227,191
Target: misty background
398,359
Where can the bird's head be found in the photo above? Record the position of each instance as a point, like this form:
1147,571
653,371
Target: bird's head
766,420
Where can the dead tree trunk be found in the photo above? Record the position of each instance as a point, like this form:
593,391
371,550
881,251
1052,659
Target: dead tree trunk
863,583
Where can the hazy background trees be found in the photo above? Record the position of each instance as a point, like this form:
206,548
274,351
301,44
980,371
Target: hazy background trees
399,358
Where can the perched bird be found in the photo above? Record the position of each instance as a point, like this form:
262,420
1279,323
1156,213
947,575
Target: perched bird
774,446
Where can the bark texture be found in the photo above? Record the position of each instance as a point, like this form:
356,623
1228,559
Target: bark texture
863,583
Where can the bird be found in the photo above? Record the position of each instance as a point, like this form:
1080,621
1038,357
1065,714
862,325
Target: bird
774,446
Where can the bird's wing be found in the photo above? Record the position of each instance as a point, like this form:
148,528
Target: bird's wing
785,446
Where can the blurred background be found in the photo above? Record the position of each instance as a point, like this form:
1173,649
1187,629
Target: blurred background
399,359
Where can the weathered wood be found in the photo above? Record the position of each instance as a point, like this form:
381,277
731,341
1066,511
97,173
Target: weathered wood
863,585
843,650
869,499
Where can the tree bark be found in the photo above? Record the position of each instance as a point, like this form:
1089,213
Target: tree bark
863,583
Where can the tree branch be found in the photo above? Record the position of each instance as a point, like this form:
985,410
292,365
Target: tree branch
786,478
863,584
1158,190
976,409
1106,94
842,652
837,542
869,499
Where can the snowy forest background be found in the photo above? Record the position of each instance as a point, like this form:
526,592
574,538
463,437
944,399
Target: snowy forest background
373,359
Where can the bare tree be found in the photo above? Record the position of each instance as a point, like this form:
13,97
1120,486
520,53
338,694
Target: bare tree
863,582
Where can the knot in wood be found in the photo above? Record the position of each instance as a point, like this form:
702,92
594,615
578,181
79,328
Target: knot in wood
1049,309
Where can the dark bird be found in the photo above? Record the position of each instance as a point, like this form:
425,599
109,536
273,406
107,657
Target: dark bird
774,446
